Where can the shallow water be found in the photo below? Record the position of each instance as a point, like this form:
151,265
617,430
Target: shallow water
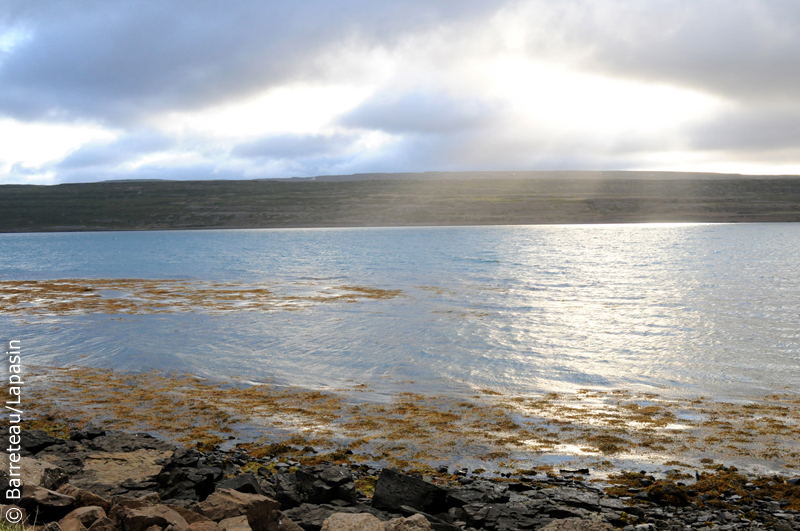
680,310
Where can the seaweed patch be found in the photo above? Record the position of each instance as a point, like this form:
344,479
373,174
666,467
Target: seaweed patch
147,296
600,428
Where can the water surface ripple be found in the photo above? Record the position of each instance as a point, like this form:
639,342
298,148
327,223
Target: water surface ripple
679,309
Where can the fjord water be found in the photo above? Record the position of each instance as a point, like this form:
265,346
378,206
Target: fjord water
685,310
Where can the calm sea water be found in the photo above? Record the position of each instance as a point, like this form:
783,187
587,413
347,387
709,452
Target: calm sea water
691,310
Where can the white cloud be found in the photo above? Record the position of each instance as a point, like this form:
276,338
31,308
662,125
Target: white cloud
287,109
34,144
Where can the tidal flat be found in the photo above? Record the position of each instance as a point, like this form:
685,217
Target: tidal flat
606,431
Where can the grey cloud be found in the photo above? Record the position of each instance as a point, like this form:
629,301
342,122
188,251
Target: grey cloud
745,50
116,152
119,61
498,148
294,146
750,129
422,111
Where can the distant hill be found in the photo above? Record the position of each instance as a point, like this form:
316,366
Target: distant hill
436,198
541,175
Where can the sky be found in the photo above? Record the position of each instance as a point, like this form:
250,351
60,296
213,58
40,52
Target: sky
94,90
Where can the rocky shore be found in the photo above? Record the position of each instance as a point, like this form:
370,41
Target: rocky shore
109,481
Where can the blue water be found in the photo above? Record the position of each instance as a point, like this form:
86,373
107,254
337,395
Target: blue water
685,310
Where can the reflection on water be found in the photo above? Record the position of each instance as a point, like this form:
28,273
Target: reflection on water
681,309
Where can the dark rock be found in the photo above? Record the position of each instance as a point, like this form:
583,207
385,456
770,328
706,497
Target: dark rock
183,490
325,483
47,504
187,483
286,490
245,483
457,513
503,516
268,489
519,487
88,434
613,504
475,514
345,492
185,458
34,441
563,511
460,498
334,475
394,489
130,484
69,459
310,517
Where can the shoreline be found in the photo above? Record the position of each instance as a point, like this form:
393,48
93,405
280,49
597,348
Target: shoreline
603,430
112,480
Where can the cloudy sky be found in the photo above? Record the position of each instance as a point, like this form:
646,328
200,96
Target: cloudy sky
193,89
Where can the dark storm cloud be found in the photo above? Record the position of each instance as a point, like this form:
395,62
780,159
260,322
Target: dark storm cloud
422,111
294,146
117,61
110,154
745,50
